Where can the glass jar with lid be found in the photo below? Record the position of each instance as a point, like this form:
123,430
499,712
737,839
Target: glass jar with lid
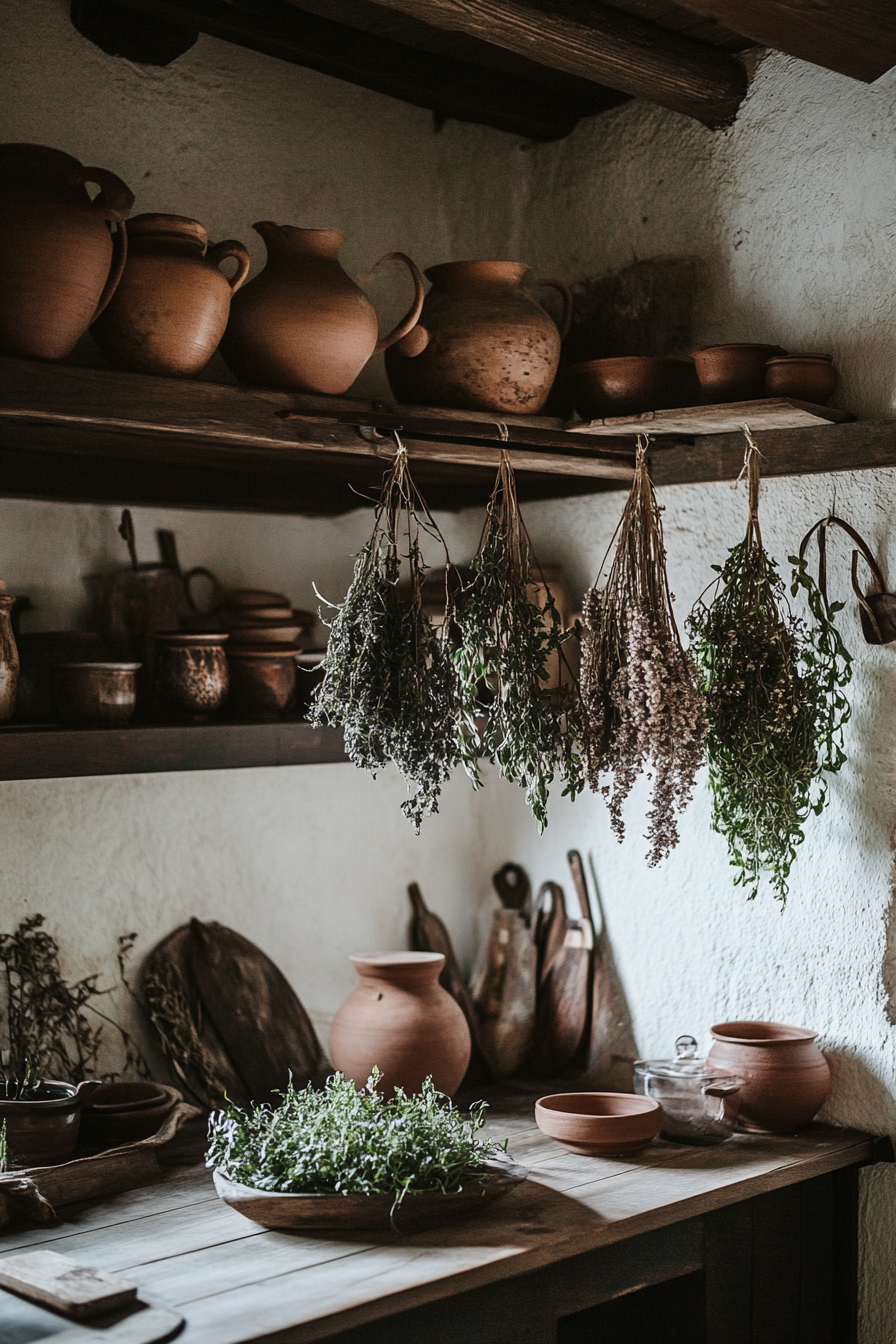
699,1101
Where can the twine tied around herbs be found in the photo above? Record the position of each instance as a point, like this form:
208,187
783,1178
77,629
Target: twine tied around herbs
751,471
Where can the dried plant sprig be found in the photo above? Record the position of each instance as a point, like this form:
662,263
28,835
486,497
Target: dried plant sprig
390,680
643,706
776,707
530,732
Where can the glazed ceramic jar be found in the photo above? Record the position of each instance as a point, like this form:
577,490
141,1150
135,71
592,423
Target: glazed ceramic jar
60,268
482,344
400,1019
302,324
189,676
170,309
96,694
9,658
786,1077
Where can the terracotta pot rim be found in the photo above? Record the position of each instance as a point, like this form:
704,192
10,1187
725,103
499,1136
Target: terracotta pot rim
154,224
296,228
177,637
777,350
783,1033
444,268
642,361
7,600
800,359
637,1106
97,667
158,1095
406,963
280,652
67,1102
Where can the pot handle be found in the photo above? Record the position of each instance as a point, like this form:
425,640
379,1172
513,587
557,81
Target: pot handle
217,588
119,257
566,320
115,200
218,252
410,318
87,1089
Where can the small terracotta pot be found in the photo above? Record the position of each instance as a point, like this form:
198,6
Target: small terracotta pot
125,1113
400,1019
630,385
9,660
190,678
40,653
44,1129
806,377
262,680
96,694
599,1124
787,1078
734,372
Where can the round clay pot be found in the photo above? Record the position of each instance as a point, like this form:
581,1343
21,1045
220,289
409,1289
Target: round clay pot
40,653
59,267
262,680
303,324
400,1019
170,309
189,679
630,385
125,1113
100,695
43,1129
734,372
599,1124
9,660
482,343
806,377
787,1078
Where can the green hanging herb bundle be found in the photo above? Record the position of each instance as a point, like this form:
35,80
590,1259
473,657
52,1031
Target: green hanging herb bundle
531,733
390,680
774,687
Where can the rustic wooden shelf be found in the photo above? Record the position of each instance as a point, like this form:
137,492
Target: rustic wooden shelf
58,753
769,413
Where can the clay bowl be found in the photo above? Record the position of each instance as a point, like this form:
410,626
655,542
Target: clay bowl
630,385
265,632
256,597
734,372
96,694
126,1112
235,616
262,679
599,1124
806,377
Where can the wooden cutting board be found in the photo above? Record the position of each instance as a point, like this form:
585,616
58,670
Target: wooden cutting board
56,1281
428,934
563,1002
503,986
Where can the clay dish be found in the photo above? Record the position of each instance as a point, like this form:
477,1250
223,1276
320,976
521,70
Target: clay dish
96,694
264,632
599,1124
734,372
630,385
234,616
256,597
806,377
126,1112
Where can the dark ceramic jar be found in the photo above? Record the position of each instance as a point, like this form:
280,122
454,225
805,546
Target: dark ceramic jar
262,679
43,1128
96,694
190,678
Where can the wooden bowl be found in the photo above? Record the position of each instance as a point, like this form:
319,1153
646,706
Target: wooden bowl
630,385
806,377
307,1212
734,372
599,1124
264,632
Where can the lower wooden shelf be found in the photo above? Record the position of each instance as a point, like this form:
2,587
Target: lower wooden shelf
57,753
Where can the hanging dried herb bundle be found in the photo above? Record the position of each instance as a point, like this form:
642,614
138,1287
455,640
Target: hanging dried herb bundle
775,701
643,706
531,733
390,680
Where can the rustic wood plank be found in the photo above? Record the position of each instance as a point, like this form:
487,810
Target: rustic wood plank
786,452
603,45
67,1285
769,413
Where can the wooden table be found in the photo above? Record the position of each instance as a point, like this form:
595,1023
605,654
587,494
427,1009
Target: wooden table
762,1230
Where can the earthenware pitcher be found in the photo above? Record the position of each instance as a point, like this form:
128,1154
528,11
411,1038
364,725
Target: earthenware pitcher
303,324
60,265
170,309
786,1077
9,658
483,343
401,1020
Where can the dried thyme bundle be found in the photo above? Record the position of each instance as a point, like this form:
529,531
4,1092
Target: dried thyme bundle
390,680
643,707
531,733
775,703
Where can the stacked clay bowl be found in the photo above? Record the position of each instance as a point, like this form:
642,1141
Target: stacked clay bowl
630,385
599,1124
119,1113
254,616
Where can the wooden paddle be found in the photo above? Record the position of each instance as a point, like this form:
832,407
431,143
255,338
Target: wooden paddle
563,1003
428,934
503,986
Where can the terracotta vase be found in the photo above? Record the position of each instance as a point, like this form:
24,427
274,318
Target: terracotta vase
787,1078
303,324
482,343
189,675
170,309
60,266
9,660
400,1019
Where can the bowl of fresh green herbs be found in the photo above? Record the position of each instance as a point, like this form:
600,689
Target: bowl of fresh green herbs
341,1157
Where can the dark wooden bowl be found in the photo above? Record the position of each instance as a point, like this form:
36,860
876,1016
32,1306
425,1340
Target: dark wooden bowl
805,377
734,372
630,385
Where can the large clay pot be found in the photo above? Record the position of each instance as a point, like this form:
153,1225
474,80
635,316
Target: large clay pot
303,324
787,1078
400,1019
59,267
9,659
170,309
482,343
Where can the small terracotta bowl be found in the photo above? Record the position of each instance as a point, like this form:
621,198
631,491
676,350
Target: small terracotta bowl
96,694
630,385
806,377
599,1124
734,372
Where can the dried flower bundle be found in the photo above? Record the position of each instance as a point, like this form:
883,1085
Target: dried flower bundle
775,703
390,680
531,733
642,703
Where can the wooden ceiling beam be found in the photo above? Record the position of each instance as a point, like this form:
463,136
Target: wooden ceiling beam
599,44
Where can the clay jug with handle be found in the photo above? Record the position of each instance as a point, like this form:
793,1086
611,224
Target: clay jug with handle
60,265
169,312
302,324
482,344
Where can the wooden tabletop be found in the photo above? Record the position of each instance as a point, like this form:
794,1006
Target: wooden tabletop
234,1282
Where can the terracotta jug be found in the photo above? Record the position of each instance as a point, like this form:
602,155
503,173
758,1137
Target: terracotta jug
60,266
9,658
400,1019
303,324
170,309
482,343
787,1078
